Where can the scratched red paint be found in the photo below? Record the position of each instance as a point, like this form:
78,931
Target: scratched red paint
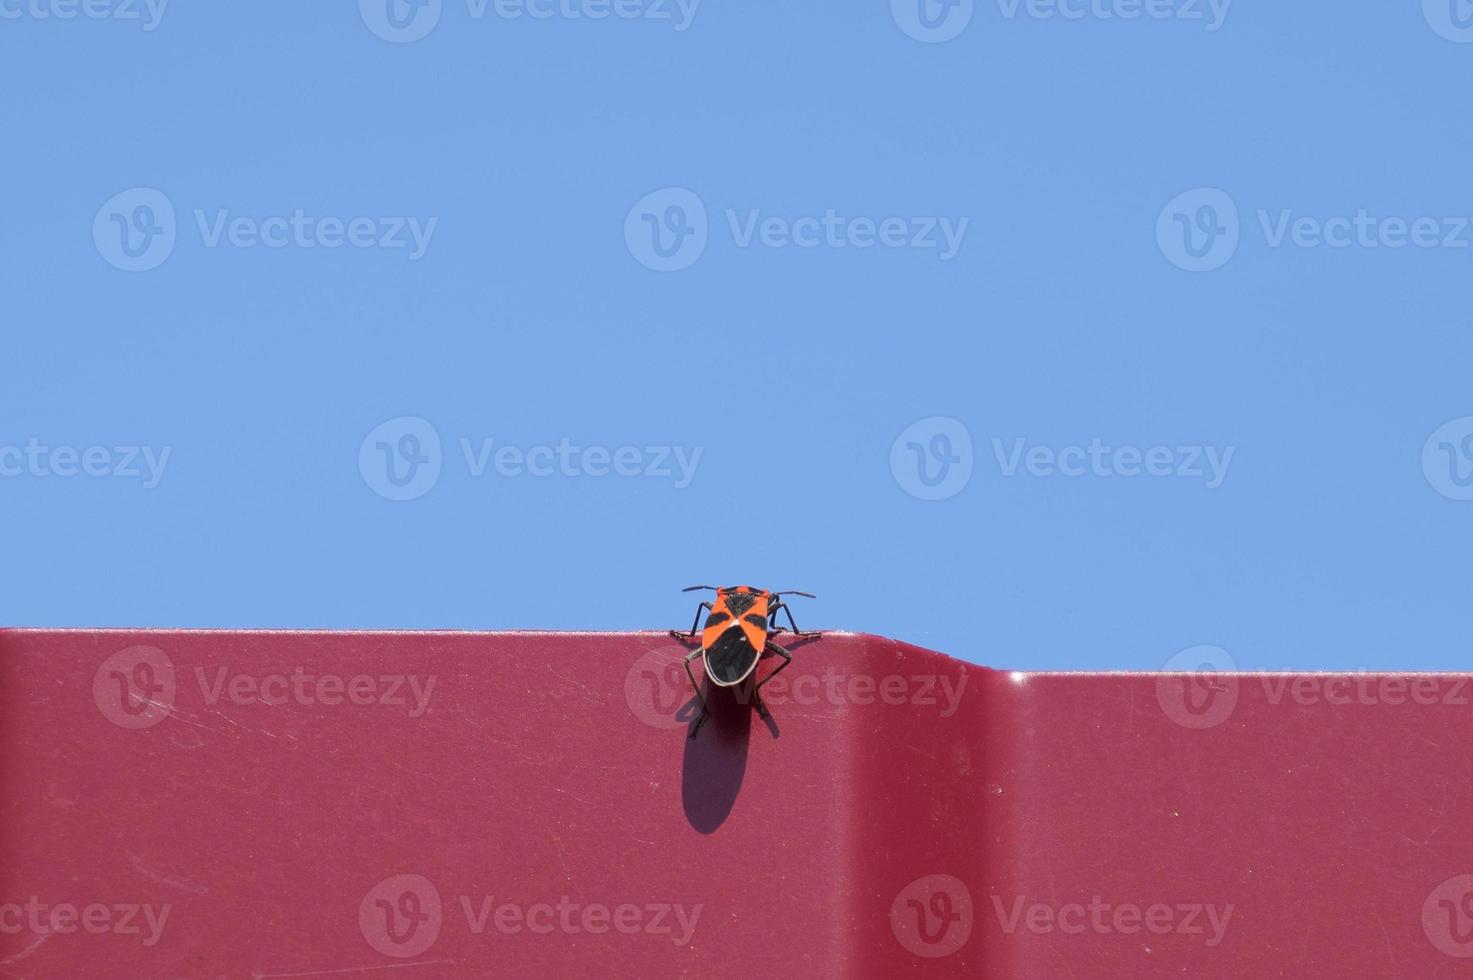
245,804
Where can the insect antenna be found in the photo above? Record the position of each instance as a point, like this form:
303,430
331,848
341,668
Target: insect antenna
697,588
806,595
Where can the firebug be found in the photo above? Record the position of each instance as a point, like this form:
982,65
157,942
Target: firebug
737,632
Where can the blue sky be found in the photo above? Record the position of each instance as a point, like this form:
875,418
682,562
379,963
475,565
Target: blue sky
1050,335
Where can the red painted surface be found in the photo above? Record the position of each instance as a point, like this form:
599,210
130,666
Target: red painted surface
297,804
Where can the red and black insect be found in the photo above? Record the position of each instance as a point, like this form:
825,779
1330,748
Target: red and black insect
737,633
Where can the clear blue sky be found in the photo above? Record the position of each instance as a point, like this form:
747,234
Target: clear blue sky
958,306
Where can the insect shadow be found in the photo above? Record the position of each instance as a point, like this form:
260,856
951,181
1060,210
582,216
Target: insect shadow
716,762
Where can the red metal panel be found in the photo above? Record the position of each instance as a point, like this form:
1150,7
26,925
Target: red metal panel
298,804
1308,825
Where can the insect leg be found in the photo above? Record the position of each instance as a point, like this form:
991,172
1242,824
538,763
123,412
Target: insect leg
784,607
699,696
757,692
692,634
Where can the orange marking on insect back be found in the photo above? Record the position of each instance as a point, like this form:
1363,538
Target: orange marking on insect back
756,635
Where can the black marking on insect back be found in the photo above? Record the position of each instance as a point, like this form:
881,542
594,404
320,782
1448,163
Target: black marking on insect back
739,602
717,618
730,658
756,620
